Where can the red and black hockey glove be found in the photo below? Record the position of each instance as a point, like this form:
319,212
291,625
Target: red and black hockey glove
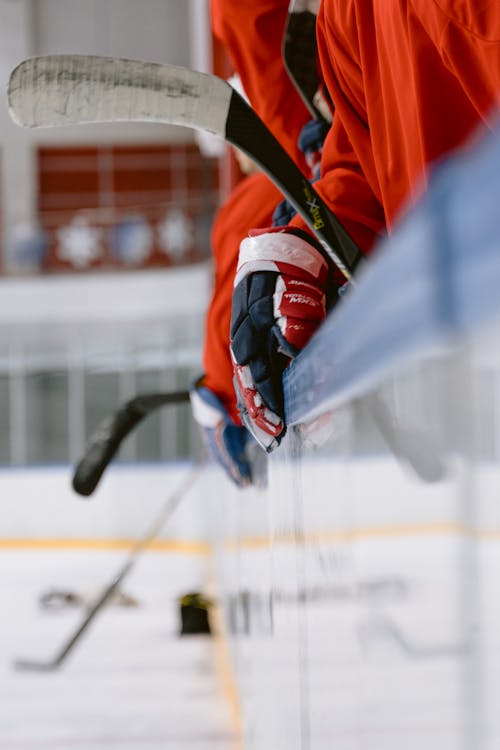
278,303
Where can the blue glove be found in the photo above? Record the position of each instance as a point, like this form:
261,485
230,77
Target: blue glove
310,142
225,440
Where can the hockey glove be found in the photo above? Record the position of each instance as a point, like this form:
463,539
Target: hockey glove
278,302
225,440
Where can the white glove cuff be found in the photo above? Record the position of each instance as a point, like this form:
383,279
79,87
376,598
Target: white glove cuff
265,252
204,414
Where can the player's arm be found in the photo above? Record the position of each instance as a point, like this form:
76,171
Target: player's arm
252,32
467,35
348,179
284,287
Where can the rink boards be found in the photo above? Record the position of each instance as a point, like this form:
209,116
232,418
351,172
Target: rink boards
361,600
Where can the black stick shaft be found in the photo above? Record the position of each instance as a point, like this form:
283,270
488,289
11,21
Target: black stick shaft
154,529
107,438
300,54
246,131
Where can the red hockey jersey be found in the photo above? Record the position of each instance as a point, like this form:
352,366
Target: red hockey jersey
252,32
411,80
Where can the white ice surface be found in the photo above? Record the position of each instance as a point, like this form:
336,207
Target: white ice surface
131,683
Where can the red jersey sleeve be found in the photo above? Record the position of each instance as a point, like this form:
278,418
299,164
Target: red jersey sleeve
467,34
345,189
252,31
411,82
345,185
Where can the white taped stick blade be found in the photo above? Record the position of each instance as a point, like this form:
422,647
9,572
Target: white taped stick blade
301,6
58,90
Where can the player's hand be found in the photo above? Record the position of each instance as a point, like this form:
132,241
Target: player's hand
225,440
278,303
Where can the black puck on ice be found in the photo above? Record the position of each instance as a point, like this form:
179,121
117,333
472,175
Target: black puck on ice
194,613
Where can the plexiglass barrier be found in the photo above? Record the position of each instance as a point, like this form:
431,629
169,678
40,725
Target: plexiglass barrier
360,586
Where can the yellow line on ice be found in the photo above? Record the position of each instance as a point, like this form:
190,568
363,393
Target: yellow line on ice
159,545
253,542
224,663
349,535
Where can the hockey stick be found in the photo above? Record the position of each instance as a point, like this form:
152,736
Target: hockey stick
165,514
107,438
300,57
73,89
